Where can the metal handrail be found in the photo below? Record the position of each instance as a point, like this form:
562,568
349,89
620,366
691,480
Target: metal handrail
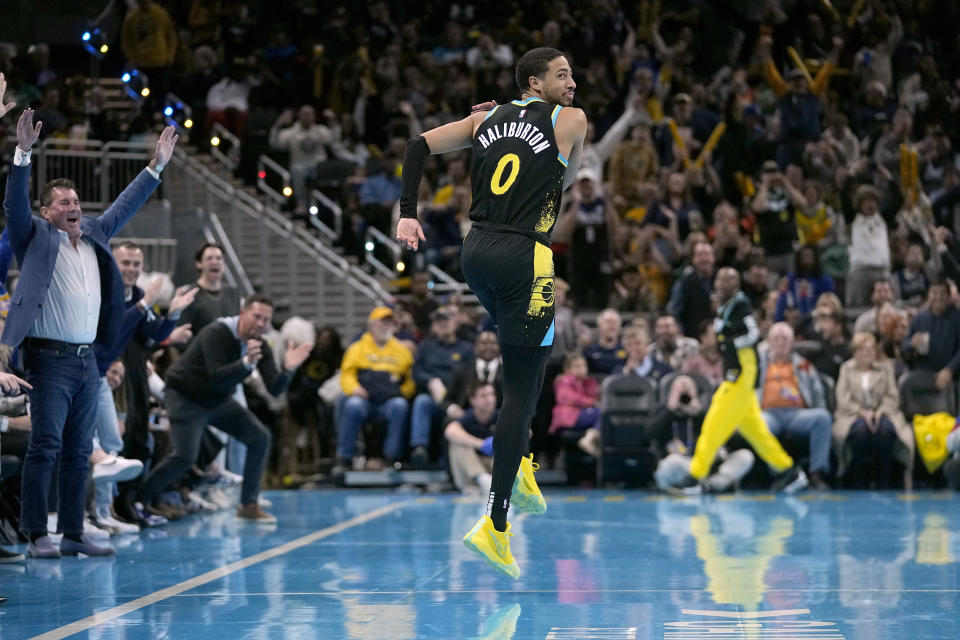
355,277
265,162
140,147
60,143
103,169
230,158
448,282
184,107
372,233
334,232
219,235
86,158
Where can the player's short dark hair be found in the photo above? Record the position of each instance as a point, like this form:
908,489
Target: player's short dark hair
198,256
257,297
46,194
535,63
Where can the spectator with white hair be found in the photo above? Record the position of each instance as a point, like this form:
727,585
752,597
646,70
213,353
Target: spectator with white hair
298,330
793,400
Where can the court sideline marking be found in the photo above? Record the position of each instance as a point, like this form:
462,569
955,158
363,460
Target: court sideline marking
205,578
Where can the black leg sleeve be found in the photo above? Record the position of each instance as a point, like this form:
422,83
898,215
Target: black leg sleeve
523,372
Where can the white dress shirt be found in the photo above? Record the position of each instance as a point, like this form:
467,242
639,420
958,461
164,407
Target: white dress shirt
489,367
71,310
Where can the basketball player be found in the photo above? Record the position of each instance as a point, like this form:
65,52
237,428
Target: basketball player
525,153
734,405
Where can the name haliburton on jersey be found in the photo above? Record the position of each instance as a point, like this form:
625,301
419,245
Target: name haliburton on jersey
529,133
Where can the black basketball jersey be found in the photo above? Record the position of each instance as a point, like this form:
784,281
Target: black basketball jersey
517,173
736,329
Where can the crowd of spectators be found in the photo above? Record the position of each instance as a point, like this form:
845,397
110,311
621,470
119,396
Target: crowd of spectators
765,127
813,149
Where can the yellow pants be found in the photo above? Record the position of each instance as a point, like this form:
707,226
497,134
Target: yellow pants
734,407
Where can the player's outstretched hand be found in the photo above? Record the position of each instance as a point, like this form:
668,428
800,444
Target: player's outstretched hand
409,233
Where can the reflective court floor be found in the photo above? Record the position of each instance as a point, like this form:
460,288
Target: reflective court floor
608,565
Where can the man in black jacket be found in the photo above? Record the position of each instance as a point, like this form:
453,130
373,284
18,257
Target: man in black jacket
690,297
199,391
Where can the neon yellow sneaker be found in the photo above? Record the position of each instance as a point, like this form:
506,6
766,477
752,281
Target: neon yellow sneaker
493,546
526,494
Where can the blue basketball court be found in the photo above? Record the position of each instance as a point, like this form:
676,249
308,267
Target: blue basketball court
599,564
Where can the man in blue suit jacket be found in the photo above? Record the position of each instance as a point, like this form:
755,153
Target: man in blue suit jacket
70,294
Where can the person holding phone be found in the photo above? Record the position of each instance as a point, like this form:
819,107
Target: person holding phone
200,391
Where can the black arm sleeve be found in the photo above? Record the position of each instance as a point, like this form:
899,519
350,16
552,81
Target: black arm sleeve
413,161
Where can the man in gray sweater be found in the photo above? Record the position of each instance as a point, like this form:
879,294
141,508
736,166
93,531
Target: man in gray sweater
199,391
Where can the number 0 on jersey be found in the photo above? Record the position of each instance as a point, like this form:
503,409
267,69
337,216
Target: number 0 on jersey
499,186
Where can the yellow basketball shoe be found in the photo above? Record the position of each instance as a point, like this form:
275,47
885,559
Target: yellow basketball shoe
526,495
493,546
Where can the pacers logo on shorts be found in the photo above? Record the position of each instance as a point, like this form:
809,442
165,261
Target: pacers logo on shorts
541,293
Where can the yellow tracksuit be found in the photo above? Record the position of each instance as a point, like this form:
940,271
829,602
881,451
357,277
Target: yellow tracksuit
734,406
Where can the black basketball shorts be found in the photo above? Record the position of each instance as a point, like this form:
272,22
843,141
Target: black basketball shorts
512,276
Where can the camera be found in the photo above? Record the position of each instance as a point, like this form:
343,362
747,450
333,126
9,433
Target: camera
685,398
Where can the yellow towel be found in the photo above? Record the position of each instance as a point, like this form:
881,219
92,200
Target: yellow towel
931,436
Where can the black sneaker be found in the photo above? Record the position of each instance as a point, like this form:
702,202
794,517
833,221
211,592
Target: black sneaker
689,486
341,466
790,481
10,556
125,511
818,483
419,458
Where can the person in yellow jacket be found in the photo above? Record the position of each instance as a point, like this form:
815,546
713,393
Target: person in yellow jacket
149,42
376,378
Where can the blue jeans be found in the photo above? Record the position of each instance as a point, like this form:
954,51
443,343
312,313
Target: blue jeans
105,421
107,431
421,421
63,404
356,410
236,450
299,175
815,424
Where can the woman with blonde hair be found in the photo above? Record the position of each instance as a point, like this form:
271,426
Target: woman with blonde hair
868,419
